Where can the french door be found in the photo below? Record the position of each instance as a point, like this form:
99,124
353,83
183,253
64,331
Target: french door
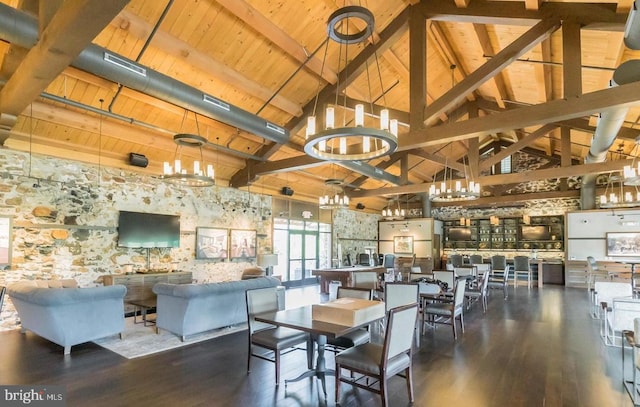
303,257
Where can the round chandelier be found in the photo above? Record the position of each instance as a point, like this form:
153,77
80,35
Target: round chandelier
454,190
615,196
352,140
389,213
339,200
202,176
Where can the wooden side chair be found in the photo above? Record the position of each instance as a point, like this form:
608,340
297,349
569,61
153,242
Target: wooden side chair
381,362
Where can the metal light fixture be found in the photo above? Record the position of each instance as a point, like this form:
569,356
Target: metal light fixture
339,200
494,220
203,175
390,213
632,172
352,140
615,195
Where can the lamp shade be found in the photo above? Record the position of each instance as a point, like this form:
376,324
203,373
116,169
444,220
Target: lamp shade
267,260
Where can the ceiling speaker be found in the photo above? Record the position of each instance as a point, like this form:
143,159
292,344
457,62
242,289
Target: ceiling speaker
360,205
287,191
138,160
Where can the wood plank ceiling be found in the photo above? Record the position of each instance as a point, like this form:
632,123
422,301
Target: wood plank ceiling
465,78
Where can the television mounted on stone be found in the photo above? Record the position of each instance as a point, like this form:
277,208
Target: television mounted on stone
459,233
539,232
148,230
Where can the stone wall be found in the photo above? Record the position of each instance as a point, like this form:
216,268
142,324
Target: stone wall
354,231
65,220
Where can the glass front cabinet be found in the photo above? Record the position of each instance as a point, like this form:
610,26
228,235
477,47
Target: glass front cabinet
539,233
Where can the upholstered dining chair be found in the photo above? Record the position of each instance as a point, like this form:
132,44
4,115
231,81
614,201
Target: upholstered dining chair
479,293
446,312
398,294
381,361
359,336
365,279
277,340
521,266
2,292
456,260
594,273
364,259
476,259
500,281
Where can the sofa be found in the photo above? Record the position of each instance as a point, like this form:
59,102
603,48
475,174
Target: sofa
188,309
67,315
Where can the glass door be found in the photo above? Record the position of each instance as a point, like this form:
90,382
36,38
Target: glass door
303,249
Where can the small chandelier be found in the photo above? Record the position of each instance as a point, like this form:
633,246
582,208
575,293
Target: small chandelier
388,213
339,200
454,190
631,172
203,174
352,141
616,197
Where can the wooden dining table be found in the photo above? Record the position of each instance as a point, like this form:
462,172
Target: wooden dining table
301,319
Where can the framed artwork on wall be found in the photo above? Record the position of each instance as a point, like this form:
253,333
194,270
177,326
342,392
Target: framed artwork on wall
243,244
6,237
623,244
403,244
212,243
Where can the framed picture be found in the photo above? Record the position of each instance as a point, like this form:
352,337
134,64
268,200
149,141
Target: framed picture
212,243
6,228
403,244
625,244
243,244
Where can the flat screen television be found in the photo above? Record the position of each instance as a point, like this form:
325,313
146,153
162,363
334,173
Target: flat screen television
459,234
539,232
148,230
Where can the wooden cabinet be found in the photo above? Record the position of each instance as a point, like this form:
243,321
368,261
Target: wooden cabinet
139,286
541,233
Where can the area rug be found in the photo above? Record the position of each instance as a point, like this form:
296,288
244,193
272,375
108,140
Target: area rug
140,340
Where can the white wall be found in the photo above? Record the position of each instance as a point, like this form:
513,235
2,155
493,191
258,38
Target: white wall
586,232
420,229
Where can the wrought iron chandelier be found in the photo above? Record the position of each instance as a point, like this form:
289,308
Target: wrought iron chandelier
454,190
352,140
203,174
615,195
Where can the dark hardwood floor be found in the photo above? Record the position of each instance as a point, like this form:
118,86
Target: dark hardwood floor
538,348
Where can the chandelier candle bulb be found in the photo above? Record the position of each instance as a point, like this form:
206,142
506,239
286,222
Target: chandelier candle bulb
330,118
196,167
384,119
366,144
359,119
210,171
178,167
311,126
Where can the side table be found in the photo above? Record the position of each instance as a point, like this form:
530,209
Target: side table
144,306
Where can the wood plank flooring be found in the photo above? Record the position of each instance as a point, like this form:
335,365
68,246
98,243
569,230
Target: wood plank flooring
538,348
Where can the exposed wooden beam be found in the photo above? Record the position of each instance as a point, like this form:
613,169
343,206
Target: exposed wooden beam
571,59
438,159
418,68
517,146
550,112
492,67
590,15
497,82
499,179
66,35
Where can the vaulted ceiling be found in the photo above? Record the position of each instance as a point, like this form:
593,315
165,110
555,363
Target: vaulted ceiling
478,79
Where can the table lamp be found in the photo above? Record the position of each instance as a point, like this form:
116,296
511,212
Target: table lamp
267,261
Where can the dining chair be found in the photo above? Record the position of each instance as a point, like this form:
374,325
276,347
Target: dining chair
444,276
521,266
380,362
2,292
479,293
399,294
389,261
364,259
278,340
359,336
632,382
447,311
365,279
456,260
594,274
476,259
500,281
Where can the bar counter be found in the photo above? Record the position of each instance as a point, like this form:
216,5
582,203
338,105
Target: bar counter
343,274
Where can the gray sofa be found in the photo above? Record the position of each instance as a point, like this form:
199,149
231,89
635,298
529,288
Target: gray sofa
69,316
188,309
